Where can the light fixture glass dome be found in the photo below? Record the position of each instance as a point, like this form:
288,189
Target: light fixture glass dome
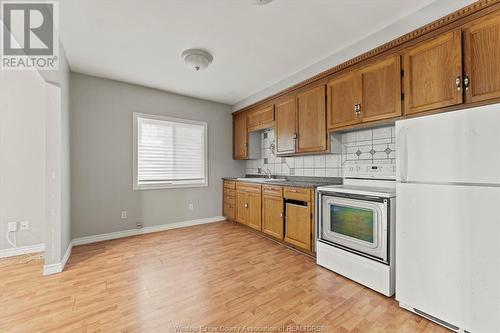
197,59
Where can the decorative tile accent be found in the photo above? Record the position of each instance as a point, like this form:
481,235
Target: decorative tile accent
369,146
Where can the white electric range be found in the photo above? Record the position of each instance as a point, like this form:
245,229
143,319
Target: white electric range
355,226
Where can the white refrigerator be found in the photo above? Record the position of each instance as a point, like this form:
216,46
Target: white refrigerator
448,218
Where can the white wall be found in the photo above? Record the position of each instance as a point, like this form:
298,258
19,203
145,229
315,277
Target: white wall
101,157
22,155
62,233
23,183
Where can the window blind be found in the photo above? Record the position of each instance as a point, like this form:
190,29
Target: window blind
170,152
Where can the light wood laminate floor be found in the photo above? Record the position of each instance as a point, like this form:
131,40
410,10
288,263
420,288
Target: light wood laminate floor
208,275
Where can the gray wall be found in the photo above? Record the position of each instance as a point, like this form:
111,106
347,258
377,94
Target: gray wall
101,157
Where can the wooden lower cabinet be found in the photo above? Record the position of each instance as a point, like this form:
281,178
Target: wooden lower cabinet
262,207
298,225
229,200
272,215
248,206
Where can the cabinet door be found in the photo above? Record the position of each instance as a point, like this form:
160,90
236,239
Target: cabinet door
262,118
381,89
254,210
433,73
272,216
240,136
343,93
482,58
311,121
285,115
242,207
298,225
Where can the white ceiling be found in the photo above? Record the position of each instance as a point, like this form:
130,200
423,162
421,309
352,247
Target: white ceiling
140,41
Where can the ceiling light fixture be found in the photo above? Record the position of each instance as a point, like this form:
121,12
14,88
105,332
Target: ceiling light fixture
197,59
261,2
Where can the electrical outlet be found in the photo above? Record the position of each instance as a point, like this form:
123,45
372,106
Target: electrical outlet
24,225
124,214
191,206
139,225
12,227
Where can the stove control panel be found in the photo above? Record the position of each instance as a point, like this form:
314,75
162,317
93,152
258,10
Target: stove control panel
379,171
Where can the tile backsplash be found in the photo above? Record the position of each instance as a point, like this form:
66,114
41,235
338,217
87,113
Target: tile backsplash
369,146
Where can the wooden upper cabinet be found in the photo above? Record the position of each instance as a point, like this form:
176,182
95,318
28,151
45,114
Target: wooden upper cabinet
261,118
381,89
240,136
433,73
285,126
482,58
343,93
311,121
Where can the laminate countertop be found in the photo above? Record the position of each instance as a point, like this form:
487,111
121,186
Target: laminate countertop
294,181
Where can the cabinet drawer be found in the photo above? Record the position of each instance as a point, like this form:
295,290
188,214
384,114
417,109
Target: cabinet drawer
229,192
247,187
230,184
229,199
229,210
272,190
297,193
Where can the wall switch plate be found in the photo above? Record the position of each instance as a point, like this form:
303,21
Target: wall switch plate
124,214
191,206
12,227
24,225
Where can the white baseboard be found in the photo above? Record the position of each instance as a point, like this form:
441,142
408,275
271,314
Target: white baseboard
145,230
58,267
16,251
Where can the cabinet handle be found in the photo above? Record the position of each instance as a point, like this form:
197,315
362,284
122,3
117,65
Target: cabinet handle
281,214
246,205
295,136
357,109
466,82
458,83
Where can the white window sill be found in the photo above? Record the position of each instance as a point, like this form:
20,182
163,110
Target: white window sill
143,187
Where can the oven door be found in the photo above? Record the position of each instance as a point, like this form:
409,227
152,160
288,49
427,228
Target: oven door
356,224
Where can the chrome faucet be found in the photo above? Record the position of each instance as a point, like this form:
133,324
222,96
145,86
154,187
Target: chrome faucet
268,173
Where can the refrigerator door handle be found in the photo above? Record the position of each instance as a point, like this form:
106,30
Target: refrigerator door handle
402,148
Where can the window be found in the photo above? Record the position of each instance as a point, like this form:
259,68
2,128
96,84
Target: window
169,152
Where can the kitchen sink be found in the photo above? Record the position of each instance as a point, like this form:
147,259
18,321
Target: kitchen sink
261,179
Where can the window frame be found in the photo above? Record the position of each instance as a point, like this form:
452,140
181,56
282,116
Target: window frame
164,185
